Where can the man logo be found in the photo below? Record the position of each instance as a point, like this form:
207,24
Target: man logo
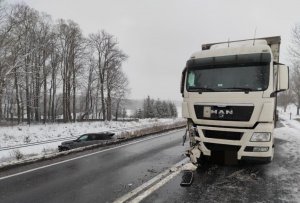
222,113
208,112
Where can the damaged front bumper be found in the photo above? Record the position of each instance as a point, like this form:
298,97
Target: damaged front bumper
234,142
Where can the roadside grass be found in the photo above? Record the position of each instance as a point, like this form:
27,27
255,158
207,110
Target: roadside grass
17,154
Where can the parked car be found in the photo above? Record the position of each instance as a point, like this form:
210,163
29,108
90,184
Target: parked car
85,140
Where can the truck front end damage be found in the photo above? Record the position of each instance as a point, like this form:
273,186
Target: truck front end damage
231,144
229,100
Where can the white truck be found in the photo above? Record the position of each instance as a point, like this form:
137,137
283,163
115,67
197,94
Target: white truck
229,94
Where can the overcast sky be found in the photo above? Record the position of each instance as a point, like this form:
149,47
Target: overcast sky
160,35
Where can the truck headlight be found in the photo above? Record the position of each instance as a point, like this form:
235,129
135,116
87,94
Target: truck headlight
261,137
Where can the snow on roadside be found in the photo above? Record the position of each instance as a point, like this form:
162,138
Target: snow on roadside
16,135
23,134
286,171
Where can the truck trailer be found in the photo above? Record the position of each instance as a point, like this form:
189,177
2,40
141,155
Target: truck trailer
229,92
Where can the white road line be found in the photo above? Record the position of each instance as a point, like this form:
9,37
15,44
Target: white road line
86,155
155,187
173,171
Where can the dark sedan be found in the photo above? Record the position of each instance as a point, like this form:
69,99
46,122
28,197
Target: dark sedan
85,140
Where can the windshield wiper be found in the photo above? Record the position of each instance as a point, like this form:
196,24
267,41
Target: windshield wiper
245,89
202,89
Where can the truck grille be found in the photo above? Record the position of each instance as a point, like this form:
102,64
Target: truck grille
222,135
226,113
221,147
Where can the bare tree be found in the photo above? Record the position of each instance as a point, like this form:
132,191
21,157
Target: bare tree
98,43
5,29
119,90
44,67
109,59
70,41
116,80
54,67
285,98
89,87
21,21
295,56
295,85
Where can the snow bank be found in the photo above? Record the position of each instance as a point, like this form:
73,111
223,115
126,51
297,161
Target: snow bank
287,171
23,134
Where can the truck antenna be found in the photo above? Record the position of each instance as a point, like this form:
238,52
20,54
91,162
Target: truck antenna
254,36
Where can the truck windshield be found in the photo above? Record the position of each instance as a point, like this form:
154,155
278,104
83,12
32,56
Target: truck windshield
229,78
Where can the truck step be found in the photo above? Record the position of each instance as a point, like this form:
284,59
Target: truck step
187,178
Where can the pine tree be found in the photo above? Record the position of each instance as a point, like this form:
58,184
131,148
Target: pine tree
174,110
158,109
124,113
148,108
171,110
165,110
138,113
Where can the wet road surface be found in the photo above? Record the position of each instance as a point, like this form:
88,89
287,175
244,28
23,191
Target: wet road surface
112,174
278,181
101,177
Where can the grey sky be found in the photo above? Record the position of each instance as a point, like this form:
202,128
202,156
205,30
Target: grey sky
160,35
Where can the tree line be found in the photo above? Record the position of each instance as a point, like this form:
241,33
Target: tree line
156,109
292,96
50,70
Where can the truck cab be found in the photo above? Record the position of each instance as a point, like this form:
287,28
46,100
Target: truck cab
229,94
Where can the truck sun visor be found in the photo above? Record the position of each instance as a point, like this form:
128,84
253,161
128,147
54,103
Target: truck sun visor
256,58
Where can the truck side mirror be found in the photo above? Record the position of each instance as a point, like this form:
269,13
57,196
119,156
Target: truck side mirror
283,78
182,81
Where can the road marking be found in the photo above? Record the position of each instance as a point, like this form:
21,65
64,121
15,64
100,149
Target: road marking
155,187
160,180
86,155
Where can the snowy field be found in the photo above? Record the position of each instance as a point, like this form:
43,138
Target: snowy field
24,134
16,135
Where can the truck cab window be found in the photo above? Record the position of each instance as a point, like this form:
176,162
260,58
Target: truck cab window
191,79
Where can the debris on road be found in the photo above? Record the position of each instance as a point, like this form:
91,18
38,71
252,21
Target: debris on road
187,178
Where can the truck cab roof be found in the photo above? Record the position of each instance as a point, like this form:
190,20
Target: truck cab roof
239,47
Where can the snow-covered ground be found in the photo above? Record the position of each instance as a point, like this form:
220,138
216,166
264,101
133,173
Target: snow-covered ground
24,134
286,170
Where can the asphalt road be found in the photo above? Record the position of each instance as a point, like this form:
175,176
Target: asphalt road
101,177
278,181
110,173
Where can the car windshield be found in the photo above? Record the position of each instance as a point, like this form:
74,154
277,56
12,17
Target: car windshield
229,78
83,138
